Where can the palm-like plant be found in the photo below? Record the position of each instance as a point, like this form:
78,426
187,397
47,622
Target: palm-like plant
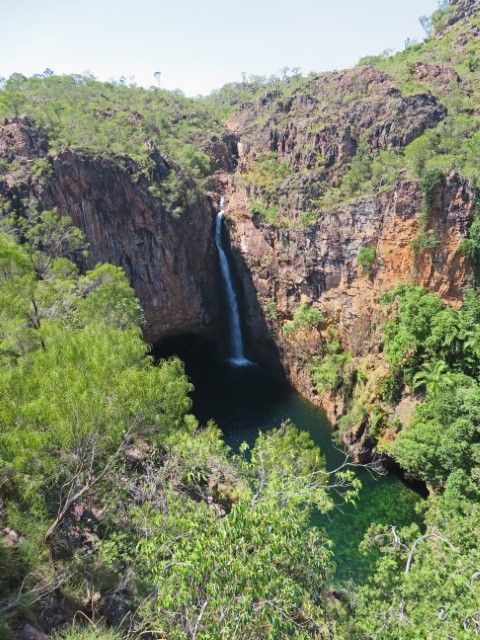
432,375
472,343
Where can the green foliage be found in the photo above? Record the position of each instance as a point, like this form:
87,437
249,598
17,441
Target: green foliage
328,372
372,61
391,387
470,246
366,259
197,161
430,183
305,316
113,120
387,168
473,61
264,183
432,375
224,101
423,585
272,310
441,16
427,239
83,632
427,25
381,503
360,172
405,337
364,176
269,213
257,571
354,419
452,145
75,378
221,541
268,172
442,436
436,348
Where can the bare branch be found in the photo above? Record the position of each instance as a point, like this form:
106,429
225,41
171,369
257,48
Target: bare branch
90,481
427,536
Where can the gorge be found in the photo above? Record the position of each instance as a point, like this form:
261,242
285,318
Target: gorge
309,247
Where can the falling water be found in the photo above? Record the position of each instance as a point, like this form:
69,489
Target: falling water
237,353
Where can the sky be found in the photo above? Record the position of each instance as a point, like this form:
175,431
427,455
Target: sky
199,45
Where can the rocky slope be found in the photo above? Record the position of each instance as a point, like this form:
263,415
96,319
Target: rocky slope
315,131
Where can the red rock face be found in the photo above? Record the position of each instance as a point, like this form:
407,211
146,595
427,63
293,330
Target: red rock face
171,262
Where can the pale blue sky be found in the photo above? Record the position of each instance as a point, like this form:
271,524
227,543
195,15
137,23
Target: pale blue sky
200,45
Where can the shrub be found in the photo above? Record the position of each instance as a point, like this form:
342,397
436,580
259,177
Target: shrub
354,419
328,373
427,238
430,183
470,246
372,61
366,259
305,315
360,171
272,310
197,161
391,387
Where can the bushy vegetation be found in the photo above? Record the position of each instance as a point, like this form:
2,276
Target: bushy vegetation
305,316
425,583
328,370
110,491
366,259
114,120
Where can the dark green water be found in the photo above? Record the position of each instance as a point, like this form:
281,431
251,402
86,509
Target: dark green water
244,400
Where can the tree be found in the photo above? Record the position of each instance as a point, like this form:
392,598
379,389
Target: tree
366,259
76,383
253,568
432,375
426,22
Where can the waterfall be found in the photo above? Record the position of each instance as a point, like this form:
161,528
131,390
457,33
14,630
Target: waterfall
236,343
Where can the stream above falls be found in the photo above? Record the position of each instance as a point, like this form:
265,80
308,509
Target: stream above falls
244,400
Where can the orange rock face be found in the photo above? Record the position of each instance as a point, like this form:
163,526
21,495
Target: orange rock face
283,267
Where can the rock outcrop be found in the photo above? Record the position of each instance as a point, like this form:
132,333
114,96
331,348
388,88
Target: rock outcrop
327,116
171,261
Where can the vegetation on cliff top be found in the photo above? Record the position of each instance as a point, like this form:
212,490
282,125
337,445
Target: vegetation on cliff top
338,151
167,143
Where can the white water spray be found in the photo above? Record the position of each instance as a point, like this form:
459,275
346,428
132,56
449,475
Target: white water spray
237,353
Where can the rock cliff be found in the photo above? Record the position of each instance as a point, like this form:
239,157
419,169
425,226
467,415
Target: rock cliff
309,251
282,268
171,260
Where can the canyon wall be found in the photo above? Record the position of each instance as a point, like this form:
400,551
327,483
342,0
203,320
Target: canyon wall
171,261
281,268
316,132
